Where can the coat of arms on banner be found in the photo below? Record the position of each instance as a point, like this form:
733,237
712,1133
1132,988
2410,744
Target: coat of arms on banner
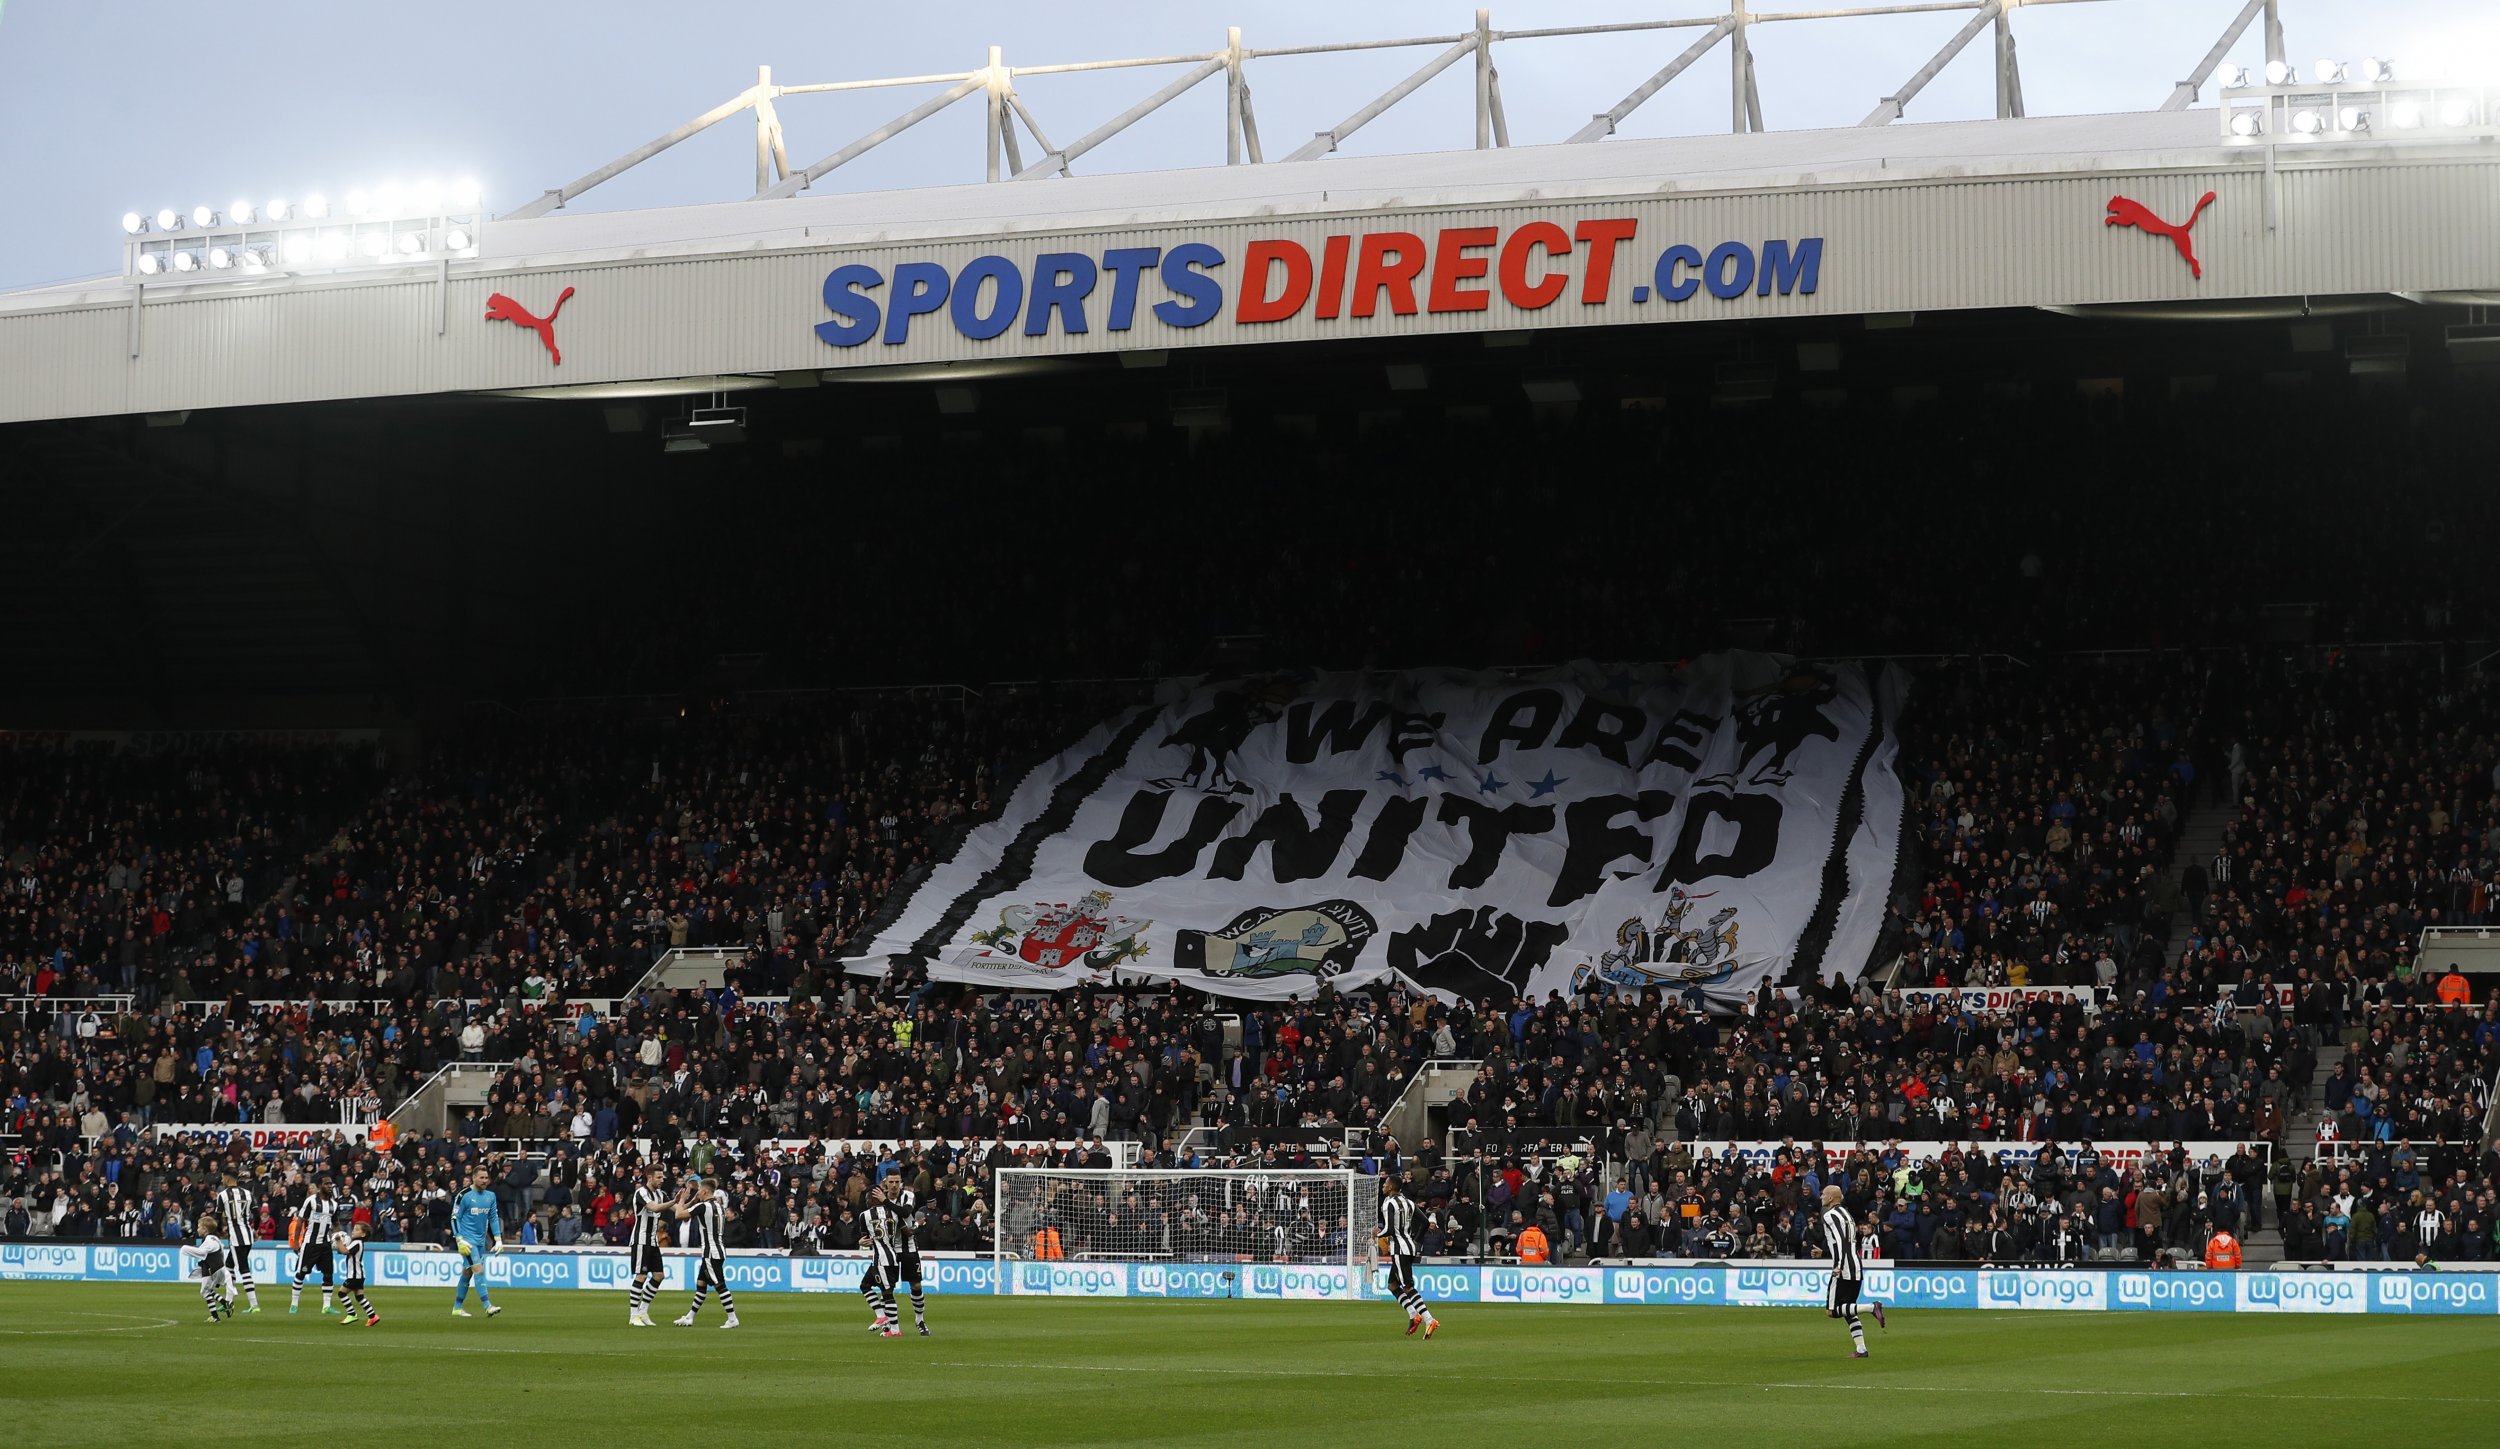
1057,936
1318,940
1674,954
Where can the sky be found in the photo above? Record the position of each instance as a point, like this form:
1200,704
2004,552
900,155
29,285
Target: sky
108,106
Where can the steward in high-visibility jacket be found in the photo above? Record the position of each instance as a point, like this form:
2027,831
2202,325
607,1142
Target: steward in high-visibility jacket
2453,991
1046,1248
2222,1251
1532,1247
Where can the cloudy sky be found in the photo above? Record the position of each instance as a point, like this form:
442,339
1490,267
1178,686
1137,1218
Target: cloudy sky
108,106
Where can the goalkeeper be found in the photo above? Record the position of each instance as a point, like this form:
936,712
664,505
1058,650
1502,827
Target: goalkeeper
477,1230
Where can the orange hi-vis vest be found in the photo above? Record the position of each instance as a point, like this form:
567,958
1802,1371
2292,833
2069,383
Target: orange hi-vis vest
2222,1252
2454,992
1046,1247
1532,1247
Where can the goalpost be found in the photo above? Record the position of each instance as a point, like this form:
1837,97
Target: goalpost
1325,1217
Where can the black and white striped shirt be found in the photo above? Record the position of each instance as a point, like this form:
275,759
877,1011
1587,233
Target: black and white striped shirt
1840,1239
238,1214
907,1207
2429,1224
707,1226
1397,1224
882,1229
351,1255
319,1215
650,1207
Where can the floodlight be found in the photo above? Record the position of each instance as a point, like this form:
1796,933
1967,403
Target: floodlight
412,242
2328,72
333,248
221,257
464,194
149,263
134,223
2280,73
427,197
316,206
2231,77
374,244
169,220
186,261
2457,111
277,209
457,240
203,217
2246,123
2377,71
360,202
299,249
2353,119
242,213
2307,123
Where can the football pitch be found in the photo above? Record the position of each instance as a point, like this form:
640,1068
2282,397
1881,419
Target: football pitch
115,1365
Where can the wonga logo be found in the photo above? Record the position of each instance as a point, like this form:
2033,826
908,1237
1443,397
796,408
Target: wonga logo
1267,1281
519,1271
2300,1293
603,1271
43,1260
135,1263
1542,1285
2433,1293
2173,1292
1901,1288
415,1270
1763,1287
1182,1282
2039,1290
1072,1280
1650,1285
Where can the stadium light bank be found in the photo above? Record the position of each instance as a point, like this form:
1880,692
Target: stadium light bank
2342,101
388,226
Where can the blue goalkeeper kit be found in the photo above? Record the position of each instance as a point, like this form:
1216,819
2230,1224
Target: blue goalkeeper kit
476,1221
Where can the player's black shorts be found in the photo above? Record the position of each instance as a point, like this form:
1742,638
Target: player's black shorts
908,1269
354,1285
647,1260
711,1273
1843,1293
313,1258
1402,1271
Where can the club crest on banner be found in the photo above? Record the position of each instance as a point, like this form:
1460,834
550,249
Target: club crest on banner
1678,955
1062,936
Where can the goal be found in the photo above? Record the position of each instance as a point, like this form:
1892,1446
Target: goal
1307,1217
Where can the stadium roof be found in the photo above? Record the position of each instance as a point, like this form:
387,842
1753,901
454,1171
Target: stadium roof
2134,141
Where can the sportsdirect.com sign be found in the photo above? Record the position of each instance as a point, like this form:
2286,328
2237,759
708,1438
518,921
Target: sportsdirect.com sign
1350,277
1766,1285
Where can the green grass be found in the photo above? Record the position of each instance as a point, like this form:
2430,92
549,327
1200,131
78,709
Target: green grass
117,1365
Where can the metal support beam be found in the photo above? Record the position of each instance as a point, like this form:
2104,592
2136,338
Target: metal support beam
2009,70
1058,160
1893,105
549,201
1602,126
1739,61
1501,122
1484,80
1015,160
2184,94
767,130
1250,126
2274,32
878,137
1327,141
996,111
1232,96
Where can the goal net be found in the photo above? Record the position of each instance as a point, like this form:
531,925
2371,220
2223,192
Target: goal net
1188,1216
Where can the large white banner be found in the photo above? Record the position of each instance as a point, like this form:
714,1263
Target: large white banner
1703,829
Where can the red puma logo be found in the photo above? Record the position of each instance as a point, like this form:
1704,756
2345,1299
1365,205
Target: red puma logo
2123,212
500,308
